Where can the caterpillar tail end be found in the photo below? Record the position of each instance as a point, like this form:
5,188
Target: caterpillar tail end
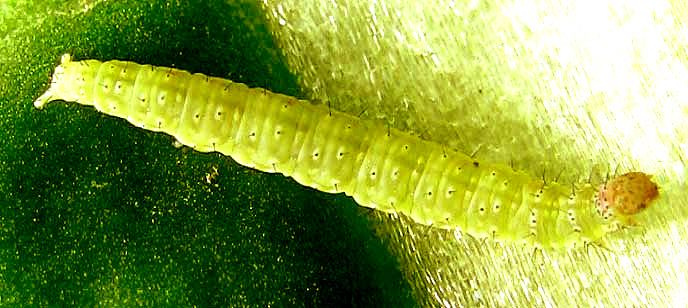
58,75
43,99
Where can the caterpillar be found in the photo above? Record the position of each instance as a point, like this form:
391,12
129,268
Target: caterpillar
380,167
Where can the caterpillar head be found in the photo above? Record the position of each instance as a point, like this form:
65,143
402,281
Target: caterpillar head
625,196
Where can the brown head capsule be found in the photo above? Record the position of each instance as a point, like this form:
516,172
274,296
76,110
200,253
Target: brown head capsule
626,195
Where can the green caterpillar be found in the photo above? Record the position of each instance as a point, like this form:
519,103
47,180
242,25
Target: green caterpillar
379,167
